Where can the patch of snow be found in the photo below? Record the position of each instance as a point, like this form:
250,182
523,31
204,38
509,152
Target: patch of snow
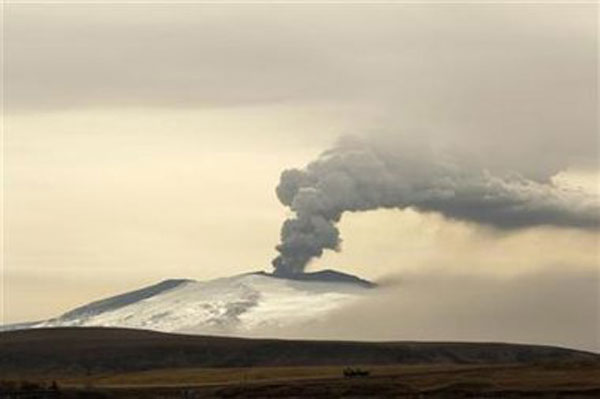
234,305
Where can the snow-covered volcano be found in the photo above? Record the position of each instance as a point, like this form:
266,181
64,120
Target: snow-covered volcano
241,305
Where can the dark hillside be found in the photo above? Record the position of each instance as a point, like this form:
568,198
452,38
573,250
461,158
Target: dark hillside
113,349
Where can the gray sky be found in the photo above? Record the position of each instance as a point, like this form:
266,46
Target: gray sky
144,142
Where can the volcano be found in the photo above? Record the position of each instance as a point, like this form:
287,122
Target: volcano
244,304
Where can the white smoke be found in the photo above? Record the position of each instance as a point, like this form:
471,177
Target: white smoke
360,174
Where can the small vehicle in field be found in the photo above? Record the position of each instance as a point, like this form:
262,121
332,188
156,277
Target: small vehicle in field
350,372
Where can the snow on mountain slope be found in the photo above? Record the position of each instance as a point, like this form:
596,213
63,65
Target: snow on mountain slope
233,305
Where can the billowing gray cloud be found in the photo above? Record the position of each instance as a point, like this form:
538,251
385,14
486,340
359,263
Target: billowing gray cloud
360,174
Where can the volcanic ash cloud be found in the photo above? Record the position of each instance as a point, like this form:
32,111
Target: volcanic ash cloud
360,174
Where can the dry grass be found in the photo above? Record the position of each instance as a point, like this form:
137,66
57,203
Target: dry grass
402,381
416,376
196,376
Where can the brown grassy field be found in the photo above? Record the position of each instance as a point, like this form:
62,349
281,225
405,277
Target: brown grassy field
216,376
419,376
450,380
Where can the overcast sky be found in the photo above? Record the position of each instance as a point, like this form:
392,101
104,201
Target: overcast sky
144,142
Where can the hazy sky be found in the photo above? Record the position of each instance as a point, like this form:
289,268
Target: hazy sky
144,142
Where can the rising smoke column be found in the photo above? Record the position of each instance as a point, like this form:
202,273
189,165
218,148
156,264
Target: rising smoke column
364,174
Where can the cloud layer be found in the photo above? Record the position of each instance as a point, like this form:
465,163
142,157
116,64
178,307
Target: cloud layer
516,81
553,306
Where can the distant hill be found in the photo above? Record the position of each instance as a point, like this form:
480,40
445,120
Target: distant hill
112,349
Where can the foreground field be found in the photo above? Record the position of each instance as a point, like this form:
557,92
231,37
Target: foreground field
414,381
133,364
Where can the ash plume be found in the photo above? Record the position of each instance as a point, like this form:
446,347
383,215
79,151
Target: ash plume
360,174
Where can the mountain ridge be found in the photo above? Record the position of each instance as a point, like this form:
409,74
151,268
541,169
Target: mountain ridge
124,299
